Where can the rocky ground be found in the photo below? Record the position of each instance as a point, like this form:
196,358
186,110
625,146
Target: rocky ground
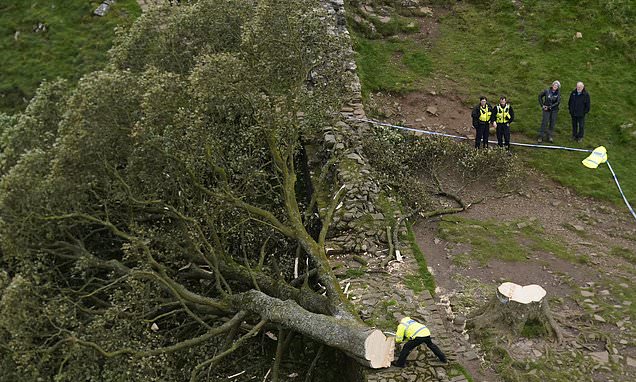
590,291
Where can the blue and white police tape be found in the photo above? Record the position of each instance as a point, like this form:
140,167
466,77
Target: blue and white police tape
550,147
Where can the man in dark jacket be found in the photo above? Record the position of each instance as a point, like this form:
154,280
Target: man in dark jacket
483,116
549,100
504,115
579,106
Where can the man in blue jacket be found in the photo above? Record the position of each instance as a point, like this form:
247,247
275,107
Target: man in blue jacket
579,106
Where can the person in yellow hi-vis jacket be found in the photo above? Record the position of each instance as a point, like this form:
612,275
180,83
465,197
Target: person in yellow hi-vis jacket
415,333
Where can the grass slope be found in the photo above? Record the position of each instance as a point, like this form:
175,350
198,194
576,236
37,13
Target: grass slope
75,43
519,51
518,48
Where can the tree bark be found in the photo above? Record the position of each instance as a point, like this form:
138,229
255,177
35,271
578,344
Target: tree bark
369,347
513,308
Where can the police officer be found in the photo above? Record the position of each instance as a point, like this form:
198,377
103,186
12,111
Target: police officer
549,100
482,118
415,333
504,115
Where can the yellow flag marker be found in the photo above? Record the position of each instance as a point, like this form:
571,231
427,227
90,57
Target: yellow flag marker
598,156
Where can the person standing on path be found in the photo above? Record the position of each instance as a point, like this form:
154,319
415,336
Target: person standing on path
482,118
549,100
416,334
579,106
504,116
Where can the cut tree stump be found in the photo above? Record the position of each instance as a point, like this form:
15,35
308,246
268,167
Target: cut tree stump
513,308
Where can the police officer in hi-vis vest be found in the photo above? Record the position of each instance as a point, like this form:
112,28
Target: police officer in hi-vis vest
483,116
504,115
416,334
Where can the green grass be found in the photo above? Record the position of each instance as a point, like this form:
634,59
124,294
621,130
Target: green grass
75,43
507,241
535,45
390,65
355,272
495,48
624,253
423,280
457,369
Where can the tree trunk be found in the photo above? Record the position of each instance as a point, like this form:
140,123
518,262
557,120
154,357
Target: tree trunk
369,347
515,308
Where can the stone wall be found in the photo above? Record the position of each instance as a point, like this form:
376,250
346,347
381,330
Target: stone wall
360,223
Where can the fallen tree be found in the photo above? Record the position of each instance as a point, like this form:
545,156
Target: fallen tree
162,214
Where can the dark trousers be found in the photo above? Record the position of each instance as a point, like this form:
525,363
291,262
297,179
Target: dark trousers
503,134
578,127
481,134
549,116
417,341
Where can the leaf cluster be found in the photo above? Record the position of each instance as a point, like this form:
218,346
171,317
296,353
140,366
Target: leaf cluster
159,187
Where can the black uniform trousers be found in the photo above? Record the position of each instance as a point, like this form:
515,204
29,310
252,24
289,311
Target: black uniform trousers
417,341
503,134
482,131
578,127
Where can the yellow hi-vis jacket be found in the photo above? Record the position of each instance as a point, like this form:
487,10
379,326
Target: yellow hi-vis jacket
503,114
598,156
409,329
485,113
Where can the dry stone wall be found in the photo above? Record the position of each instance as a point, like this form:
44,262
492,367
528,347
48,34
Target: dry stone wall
361,219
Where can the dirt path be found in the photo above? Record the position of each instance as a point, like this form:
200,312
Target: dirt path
589,292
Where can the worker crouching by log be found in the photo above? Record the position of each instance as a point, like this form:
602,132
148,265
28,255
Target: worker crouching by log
416,334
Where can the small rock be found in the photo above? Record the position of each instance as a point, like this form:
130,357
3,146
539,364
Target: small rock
459,320
436,241
426,11
631,362
604,292
470,355
600,356
599,318
578,35
578,228
432,110
536,353
587,293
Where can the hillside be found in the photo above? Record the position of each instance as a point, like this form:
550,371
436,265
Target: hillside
69,42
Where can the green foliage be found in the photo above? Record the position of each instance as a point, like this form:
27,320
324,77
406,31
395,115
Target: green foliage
158,167
75,43
412,166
